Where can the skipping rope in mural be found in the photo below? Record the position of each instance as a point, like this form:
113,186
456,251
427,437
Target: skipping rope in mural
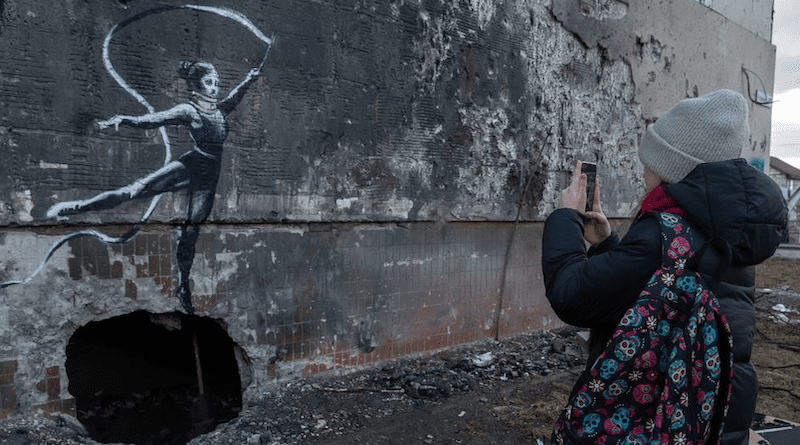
196,171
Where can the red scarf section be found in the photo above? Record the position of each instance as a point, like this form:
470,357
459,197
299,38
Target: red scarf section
659,200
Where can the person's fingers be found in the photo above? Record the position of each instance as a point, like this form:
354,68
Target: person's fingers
577,193
582,183
594,216
576,173
596,205
574,196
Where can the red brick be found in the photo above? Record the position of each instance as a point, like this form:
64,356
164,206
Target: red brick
7,370
153,266
165,264
141,270
116,270
140,245
130,289
8,400
53,388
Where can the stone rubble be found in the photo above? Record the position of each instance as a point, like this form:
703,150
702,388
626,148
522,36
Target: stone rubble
296,412
292,414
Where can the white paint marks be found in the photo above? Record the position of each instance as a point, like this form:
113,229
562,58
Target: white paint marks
493,154
416,166
294,230
399,207
345,203
433,48
22,204
488,322
5,326
232,201
485,10
407,262
235,16
612,9
52,166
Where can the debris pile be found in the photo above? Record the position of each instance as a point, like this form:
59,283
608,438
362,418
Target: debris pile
326,406
440,375
302,410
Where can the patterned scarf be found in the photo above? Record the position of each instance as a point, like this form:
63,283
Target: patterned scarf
658,200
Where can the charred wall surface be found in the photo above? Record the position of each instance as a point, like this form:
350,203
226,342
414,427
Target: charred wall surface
376,189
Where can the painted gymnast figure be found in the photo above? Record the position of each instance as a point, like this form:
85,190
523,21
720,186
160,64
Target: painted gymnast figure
196,171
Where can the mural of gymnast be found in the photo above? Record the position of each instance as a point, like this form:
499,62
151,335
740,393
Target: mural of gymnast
196,171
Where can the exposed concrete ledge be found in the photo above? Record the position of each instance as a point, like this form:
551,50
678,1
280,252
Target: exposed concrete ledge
788,251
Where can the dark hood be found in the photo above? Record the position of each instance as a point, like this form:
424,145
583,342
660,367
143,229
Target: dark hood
736,202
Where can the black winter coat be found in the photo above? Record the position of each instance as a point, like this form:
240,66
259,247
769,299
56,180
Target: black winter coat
728,201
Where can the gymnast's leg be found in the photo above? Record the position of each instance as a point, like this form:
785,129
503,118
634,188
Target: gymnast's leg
200,204
170,177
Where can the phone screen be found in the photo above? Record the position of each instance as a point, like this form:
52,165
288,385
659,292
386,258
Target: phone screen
590,169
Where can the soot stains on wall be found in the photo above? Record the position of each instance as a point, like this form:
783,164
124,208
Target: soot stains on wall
367,111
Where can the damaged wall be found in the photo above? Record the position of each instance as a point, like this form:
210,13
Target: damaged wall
670,59
381,184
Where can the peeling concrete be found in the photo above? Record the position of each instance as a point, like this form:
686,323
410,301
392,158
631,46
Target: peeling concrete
670,59
22,205
485,10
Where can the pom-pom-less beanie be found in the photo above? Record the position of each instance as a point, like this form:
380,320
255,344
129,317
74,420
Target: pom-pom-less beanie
710,128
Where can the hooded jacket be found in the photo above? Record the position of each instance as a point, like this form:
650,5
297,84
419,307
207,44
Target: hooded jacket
738,211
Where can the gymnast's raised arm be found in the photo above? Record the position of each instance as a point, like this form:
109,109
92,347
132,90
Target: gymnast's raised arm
235,96
183,114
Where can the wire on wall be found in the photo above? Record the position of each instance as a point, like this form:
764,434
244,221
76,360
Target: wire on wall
760,96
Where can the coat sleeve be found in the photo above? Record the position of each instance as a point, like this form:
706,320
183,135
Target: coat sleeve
590,291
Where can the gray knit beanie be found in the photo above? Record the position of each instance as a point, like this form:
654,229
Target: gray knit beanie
709,128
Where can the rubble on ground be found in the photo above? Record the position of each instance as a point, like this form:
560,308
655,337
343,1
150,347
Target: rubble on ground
290,413
320,408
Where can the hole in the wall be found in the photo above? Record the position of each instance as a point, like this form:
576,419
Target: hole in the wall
135,377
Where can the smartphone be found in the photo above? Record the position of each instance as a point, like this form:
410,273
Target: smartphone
590,169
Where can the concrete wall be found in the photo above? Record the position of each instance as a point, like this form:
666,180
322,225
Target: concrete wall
383,180
754,15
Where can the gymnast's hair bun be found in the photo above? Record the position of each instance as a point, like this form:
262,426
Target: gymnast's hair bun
185,68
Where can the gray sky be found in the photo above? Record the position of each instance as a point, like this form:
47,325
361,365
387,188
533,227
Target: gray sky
786,109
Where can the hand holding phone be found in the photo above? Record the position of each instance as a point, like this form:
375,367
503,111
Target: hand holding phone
580,196
590,170
575,195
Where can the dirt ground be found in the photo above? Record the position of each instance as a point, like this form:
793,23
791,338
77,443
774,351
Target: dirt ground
776,352
506,392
